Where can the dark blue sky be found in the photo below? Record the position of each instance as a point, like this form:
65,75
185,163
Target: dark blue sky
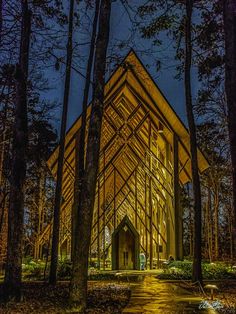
121,30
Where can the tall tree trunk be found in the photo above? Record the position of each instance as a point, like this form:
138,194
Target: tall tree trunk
191,234
209,223
4,148
230,79
57,203
12,280
3,200
40,198
40,202
216,222
197,270
230,228
80,141
78,286
1,21
205,231
2,154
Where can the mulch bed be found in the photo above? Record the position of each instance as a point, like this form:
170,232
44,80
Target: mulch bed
103,297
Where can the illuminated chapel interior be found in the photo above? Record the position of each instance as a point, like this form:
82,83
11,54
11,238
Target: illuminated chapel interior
144,160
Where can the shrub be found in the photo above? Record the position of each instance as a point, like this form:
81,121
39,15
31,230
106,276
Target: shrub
27,259
64,269
217,271
210,271
33,269
177,270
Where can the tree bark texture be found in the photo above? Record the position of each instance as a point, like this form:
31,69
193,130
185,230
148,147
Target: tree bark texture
12,280
40,198
216,220
80,141
197,271
58,192
78,287
230,87
1,23
209,222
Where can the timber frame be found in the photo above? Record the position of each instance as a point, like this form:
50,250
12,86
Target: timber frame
144,158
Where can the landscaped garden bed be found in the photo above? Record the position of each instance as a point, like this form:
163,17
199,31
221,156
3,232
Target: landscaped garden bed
210,271
219,274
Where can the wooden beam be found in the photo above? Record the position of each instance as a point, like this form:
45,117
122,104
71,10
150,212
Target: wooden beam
98,225
146,216
136,199
151,223
114,191
104,210
150,194
177,212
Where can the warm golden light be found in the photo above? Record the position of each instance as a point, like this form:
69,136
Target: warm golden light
160,128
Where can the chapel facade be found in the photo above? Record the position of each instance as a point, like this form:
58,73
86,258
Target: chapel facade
144,160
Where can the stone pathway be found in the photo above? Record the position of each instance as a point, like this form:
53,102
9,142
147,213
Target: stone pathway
154,296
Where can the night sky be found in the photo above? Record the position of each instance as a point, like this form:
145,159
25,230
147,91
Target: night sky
121,26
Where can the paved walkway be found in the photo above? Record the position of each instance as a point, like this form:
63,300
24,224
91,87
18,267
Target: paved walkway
153,296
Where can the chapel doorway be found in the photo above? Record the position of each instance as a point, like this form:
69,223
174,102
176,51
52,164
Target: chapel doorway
125,246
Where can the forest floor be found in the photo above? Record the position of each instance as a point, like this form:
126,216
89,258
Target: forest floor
224,301
112,297
103,297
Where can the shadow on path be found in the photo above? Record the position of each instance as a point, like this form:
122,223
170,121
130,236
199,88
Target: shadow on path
154,296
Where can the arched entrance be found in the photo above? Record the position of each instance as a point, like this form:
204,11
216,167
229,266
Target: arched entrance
125,246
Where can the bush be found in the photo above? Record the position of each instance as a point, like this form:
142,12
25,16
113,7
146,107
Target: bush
64,269
27,259
217,271
33,269
177,270
210,271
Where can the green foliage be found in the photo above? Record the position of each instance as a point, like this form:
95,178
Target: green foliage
33,269
64,269
147,9
217,271
211,271
177,270
27,260
161,23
